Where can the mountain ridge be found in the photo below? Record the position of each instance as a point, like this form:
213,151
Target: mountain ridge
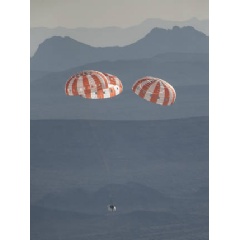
58,53
112,35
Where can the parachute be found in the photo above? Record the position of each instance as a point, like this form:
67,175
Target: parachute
93,85
155,90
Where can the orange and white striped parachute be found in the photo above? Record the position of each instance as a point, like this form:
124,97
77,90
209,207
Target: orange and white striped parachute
155,90
93,85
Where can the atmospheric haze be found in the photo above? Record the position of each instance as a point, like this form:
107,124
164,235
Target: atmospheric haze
104,13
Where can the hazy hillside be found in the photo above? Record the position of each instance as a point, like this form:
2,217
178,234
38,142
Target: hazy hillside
58,54
156,172
177,68
111,36
128,197
54,224
191,101
90,154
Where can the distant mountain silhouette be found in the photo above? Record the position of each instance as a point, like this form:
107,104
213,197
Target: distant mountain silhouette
52,224
177,68
58,54
111,36
169,153
158,173
128,197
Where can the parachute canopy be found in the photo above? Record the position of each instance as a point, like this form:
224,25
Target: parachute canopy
93,85
155,90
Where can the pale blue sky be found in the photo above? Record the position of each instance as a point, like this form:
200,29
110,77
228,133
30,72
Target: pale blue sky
103,13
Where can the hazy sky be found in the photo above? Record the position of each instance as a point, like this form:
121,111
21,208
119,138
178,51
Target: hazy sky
102,13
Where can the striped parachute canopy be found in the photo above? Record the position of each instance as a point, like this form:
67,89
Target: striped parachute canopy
93,85
155,90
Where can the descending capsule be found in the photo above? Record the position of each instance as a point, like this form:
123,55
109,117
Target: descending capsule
112,208
155,90
93,85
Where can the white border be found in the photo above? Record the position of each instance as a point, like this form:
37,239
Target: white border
224,120
15,119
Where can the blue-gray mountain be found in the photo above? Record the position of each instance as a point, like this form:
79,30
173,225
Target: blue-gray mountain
49,224
156,172
58,54
177,68
128,197
111,36
169,155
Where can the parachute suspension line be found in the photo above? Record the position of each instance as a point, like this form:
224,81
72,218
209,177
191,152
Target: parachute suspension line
100,151
103,157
